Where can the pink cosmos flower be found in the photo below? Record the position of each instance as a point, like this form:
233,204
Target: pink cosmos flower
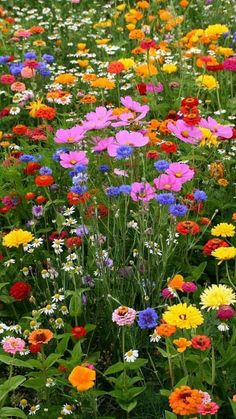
181,171
134,106
68,160
101,144
99,119
208,408
119,172
124,316
71,135
13,345
142,192
168,182
224,131
185,132
134,139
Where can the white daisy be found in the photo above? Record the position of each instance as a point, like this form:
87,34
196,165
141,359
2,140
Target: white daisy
131,355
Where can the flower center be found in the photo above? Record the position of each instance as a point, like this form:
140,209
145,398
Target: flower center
73,161
70,139
182,316
185,133
167,186
178,174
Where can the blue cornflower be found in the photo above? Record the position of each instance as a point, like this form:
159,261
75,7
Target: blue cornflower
45,170
56,155
82,230
4,59
161,165
125,189
104,168
165,198
30,55
200,195
45,72
178,210
79,178
41,65
113,191
124,151
48,58
79,189
80,168
16,68
147,318
27,158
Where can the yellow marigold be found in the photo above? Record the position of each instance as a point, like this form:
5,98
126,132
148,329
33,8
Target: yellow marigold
217,170
65,78
223,230
103,83
102,41
182,344
146,70
183,316
216,296
17,237
127,62
169,68
121,7
82,377
226,52
83,63
143,4
130,26
224,253
88,99
223,182
89,77
81,46
136,34
216,29
209,82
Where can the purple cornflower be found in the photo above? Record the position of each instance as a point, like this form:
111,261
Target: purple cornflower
37,210
178,210
113,191
165,198
45,170
124,151
200,195
161,165
82,230
147,318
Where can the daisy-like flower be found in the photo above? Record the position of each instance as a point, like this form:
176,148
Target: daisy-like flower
69,211
57,297
183,316
50,382
16,328
223,230
3,327
131,355
9,262
71,257
37,243
217,295
49,309
59,324
154,337
64,310
67,409
224,253
223,327
33,410
68,266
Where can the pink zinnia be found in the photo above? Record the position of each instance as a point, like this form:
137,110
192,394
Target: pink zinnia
208,409
71,135
224,131
181,171
99,119
68,160
168,183
187,133
124,316
134,139
142,192
13,345
230,64
7,79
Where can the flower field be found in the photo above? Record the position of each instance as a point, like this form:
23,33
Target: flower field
117,209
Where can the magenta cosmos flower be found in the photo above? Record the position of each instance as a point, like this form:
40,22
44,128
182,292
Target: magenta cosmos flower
168,182
13,345
133,139
185,132
68,160
142,192
99,119
224,131
131,104
70,135
181,171
124,316
101,144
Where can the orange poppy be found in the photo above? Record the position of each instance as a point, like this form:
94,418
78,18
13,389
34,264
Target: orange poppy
82,378
176,282
40,336
182,344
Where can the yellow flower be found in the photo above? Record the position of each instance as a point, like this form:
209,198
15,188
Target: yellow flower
183,316
223,182
121,7
226,52
17,237
127,62
103,83
102,41
216,29
145,70
65,78
224,253
83,63
169,68
34,107
208,138
182,344
223,230
81,46
216,296
209,82
39,43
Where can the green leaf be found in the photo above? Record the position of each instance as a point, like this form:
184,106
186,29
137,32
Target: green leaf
77,352
14,361
10,385
35,383
170,415
60,219
3,285
119,366
197,271
127,406
136,364
182,382
162,352
75,305
62,345
233,405
165,392
51,359
6,412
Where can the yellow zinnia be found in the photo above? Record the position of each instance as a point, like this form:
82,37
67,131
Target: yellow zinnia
216,296
223,230
183,316
169,68
209,82
17,237
224,253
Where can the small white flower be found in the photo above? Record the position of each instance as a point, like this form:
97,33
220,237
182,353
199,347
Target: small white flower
59,324
34,409
67,409
50,382
16,328
57,297
70,222
68,266
131,355
72,256
69,211
155,337
64,310
9,262
14,110
223,327
53,273
3,327
49,309
37,243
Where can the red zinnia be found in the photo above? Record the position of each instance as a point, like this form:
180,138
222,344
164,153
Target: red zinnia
20,290
31,168
152,154
78,332
46,113
41,199
168,147
115,67
19,129
188,227
201,342
142,88
147,44
213,244
44,180
7,79
190,102
34,349
73,242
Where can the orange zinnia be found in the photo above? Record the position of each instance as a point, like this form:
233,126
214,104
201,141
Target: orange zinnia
176,282
40,336
185,401
182,344
165,330
82,378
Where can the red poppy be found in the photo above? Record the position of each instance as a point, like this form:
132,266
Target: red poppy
201,342
20,290
32,168
188,228
213,244
169,147
78,332
44,180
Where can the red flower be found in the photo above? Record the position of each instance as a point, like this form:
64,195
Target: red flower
168,147
152,154
78,332
225,312
115,67
147,44
213,244
20,290
19,129
32,168
44,180
73,242
101,211
55,235
4,112
40,199
7,79
142,88
190,102
192,118
201,342
214,67
31,63
34,349
188,228
74,198
29,196
192,204
46,113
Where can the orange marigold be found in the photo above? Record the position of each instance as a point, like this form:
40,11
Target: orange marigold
185,401
65,78
165,329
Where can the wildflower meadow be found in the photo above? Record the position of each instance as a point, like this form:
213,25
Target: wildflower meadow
117,209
